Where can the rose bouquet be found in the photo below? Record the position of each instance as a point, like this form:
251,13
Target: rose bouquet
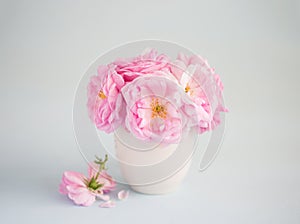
147,98
155,98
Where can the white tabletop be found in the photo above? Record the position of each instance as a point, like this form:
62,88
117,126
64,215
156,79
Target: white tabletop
46,46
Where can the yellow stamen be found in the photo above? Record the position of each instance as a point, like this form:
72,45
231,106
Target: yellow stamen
187,88
158,110
101,95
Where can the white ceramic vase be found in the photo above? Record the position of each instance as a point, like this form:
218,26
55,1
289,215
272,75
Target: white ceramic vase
153,168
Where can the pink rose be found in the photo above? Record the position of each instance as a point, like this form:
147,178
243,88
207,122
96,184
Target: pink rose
157,109
147,63
105,103
84,190
204,87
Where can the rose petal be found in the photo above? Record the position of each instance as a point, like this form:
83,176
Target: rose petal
89,201
108,204
123,194
74,189
84,198
62,188
70,177
103,197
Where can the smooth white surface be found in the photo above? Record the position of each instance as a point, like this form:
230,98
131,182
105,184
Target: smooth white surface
152,170
45,47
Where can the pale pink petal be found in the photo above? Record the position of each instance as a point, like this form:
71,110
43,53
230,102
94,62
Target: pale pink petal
89,201
103,197
84,198
107,181
219,82
76,189
147,63
108,204
70,177
123,194
62,188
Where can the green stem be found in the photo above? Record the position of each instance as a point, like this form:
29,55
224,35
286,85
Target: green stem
101,163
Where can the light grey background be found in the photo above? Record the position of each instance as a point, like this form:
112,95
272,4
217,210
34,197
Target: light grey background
46,46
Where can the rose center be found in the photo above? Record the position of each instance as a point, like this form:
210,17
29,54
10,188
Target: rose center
187,88
158,110
101,95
